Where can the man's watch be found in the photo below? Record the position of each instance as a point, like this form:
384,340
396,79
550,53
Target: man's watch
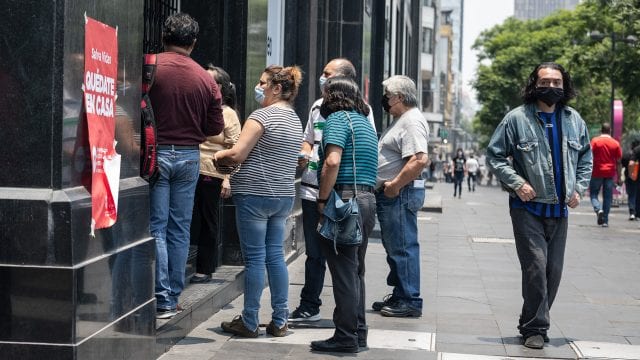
321,201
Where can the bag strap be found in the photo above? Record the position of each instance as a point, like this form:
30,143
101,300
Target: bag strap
353,155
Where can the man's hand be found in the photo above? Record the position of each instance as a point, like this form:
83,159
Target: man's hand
390,190
225,191
574,201
526,192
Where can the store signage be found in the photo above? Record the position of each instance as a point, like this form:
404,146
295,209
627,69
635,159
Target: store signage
99,86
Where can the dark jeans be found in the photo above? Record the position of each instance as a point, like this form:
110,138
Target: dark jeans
471,182
347,272
632,191
458,177
204,223
315,264
540,243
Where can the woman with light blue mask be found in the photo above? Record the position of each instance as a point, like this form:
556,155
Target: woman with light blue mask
263,191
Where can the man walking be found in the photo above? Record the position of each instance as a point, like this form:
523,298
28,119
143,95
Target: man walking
472,172
606,165
548,143
402,155
187,106
315,264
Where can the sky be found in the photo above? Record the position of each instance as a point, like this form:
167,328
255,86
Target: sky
479,15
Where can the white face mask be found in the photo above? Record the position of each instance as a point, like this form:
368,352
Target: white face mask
259,94
322,81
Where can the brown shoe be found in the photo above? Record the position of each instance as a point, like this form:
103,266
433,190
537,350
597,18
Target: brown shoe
273,330
237,327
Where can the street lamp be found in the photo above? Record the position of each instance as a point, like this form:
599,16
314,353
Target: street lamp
630,39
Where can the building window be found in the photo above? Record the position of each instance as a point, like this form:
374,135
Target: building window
428,3
427,43
427,96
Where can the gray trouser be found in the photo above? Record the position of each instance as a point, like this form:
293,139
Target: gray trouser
540,243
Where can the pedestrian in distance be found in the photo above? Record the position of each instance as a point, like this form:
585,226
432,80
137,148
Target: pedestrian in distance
263,191
629,160
187,106
213,186
458,170
472,171
606,168
348,165
551,165
315,263
400,192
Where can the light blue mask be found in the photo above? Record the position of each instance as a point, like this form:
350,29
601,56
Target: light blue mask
322,81
259,94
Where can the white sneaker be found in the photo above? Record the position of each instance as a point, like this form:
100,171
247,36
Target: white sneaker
632,217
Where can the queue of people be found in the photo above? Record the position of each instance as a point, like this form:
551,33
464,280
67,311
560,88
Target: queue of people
204,156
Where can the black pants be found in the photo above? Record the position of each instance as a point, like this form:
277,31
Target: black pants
540,243
205,223
347,273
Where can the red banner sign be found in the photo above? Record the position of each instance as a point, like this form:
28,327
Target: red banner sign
100,75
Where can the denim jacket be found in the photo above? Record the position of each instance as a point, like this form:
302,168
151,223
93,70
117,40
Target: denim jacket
519,151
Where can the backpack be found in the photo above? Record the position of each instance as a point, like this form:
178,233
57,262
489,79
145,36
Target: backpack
148,130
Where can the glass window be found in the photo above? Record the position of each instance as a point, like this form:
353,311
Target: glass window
427,43
256,50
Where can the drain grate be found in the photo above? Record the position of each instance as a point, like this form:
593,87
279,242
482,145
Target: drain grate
492,240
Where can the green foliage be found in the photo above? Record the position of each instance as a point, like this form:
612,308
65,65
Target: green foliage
507,53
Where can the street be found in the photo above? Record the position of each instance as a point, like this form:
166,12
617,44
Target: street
471,289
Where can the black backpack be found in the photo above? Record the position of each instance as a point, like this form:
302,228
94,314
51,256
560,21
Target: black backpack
148,131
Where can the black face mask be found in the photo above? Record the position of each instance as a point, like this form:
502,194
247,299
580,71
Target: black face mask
549,95
385,103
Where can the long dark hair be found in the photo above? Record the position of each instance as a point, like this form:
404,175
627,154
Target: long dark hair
342,93
227,88
529,91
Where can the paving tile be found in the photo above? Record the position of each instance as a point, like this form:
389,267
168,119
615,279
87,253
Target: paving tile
587,349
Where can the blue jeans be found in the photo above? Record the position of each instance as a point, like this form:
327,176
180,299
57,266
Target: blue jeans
171,207
261,229
607,195
398,219
315,265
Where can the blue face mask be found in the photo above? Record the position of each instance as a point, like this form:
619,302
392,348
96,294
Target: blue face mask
259,94
322,81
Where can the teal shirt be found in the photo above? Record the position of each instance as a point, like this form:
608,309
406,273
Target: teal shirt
337,132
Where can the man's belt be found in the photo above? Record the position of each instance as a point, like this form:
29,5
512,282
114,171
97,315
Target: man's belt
351,187
178,147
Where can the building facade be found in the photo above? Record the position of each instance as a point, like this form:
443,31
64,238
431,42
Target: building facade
536,9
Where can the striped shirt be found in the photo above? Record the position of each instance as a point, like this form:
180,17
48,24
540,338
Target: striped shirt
270,168
553,132
338,132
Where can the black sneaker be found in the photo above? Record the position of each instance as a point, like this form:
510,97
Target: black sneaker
600,217
386,300
236,327
300,314
400,309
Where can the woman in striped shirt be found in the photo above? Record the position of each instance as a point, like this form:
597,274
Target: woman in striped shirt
263,191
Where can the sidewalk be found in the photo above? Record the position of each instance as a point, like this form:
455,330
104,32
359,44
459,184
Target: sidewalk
471,289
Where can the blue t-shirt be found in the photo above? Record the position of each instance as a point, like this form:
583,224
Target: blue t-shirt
338,132
553,133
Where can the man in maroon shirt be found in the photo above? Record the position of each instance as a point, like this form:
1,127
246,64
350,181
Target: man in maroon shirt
187,107
606,165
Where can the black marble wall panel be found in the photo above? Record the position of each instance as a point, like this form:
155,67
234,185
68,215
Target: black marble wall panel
28,74
44,227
